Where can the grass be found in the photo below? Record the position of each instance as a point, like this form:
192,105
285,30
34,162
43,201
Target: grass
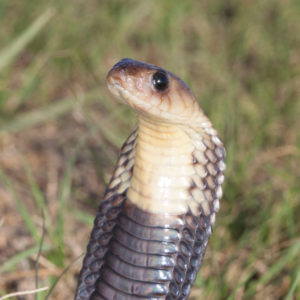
60,132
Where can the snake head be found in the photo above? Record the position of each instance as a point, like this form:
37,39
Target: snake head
153,92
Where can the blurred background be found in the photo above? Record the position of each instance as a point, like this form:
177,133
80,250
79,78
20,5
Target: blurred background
60,132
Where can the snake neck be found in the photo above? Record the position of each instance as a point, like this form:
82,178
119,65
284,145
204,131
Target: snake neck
163,168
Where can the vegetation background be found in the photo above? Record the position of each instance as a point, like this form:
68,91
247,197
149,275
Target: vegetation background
60,132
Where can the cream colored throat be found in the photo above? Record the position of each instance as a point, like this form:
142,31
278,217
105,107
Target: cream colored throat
163,169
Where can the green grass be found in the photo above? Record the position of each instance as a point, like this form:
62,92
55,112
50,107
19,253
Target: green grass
60,131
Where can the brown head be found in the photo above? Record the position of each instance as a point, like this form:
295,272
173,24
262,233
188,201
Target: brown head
153,92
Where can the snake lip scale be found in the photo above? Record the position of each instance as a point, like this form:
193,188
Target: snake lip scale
153,224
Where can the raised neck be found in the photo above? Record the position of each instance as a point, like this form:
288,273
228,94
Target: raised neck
163,168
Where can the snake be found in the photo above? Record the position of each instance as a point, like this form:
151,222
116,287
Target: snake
154,221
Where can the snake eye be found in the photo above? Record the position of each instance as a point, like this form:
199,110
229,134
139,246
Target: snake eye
160,81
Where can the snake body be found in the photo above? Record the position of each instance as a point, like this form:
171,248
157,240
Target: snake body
154,222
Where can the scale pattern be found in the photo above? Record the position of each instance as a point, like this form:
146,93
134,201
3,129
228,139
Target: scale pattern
209,163
151,256
133,254
106,219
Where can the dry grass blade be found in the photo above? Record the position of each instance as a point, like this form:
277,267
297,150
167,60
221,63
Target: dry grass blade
22,293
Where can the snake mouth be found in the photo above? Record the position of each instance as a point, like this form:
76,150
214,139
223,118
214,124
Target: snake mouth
114,84
115,87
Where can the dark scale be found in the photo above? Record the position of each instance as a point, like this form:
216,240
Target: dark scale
141,257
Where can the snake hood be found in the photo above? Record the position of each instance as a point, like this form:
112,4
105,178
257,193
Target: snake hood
153,92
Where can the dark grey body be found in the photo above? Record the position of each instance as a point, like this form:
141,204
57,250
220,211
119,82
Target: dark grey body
136,255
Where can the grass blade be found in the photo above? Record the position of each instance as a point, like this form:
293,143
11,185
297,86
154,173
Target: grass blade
38,257
84,217
20,206
285,259
36,192
294,285
46,113
63,195
8,54
62,274
10,263
22,293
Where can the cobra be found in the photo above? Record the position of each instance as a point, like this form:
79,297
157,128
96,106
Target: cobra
154,222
